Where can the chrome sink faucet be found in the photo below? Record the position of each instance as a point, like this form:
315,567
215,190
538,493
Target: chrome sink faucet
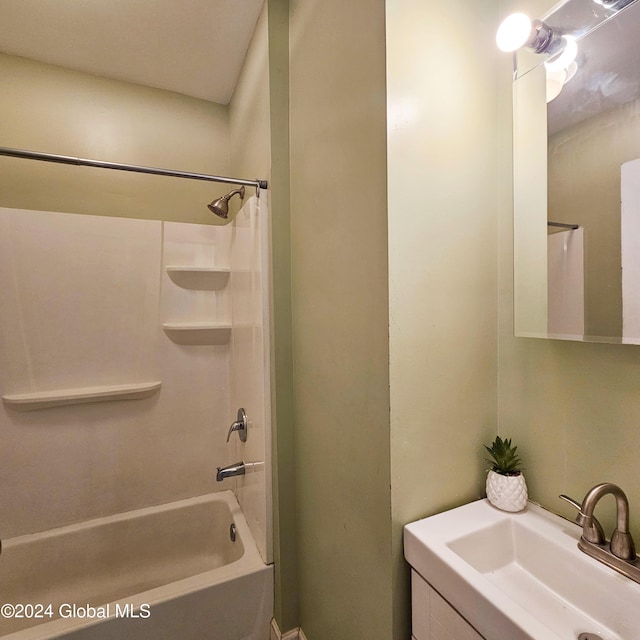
592,530
619,553
621,541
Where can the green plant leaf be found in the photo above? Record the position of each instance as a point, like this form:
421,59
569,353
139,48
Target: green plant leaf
505,459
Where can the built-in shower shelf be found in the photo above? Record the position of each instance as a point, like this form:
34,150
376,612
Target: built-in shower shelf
201,278
61,397
198,332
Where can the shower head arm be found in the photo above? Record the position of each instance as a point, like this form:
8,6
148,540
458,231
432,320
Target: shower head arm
239,191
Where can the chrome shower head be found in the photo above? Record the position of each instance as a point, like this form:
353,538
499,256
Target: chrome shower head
221,206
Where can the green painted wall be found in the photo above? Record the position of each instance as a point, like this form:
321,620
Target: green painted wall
284,489
249,113
443,151
54,110
390,410
340,318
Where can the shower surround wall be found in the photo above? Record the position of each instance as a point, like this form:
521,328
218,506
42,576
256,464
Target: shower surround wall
250,371
85,300
59,110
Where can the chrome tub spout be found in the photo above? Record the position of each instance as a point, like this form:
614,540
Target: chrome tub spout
236,469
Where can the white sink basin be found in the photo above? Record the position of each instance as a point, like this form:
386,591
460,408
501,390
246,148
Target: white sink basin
521,576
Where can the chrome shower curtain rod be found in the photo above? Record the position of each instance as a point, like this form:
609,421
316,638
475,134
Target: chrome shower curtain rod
84,162
564,225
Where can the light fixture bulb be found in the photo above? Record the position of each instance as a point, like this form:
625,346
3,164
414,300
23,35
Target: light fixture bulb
513,32
557,78
554,87
563,59
555,82
571,71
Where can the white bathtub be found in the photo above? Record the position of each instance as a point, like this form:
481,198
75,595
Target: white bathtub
169,572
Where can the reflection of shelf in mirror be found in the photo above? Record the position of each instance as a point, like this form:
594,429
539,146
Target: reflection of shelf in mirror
201,278
61,397
198,332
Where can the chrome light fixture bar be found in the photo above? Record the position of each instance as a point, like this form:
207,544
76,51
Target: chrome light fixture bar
615,5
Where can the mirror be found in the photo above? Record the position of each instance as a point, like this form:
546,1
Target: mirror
577,183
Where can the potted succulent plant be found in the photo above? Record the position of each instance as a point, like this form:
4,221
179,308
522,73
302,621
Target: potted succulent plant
506,486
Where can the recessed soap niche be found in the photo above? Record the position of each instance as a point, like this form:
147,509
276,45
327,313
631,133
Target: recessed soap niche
86,299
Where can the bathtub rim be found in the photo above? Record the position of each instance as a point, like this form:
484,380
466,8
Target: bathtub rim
250,562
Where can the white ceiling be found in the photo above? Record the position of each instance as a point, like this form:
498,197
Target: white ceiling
194,47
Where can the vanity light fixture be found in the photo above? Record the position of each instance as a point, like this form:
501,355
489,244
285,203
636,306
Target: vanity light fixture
563,59
517,31
557,79
513,32
561,68
555,82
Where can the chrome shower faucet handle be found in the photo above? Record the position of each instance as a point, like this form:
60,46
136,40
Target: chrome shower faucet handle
241,425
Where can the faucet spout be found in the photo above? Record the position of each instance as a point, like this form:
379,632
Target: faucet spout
619,553
621,545
236,469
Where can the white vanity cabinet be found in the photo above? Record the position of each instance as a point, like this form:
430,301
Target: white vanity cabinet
433,618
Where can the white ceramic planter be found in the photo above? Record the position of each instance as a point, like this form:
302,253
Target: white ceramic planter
508,493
